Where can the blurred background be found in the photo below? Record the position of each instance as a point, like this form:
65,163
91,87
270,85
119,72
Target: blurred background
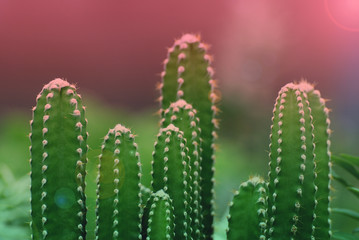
113,51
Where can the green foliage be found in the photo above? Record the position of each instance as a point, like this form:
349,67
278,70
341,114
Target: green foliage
350,164
14,205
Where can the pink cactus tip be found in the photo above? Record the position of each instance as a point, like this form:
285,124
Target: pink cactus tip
122,129
57,83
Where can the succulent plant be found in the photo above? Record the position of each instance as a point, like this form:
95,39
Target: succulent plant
189,76
171,173
158,218
292,204
58,160
248,211
118,193
182,115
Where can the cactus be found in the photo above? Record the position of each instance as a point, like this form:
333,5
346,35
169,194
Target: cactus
158,218
293,204
322,153
248,211
118,193
188,76
170,168
58,159
291,185
182,115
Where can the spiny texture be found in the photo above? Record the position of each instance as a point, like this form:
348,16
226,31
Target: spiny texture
158,218
188,76
248,211
182,115
170,172
291,186
118,193
322,152
58,159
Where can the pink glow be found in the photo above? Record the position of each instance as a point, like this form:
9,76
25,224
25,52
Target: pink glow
344,13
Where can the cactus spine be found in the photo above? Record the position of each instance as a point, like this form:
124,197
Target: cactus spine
188,76
248,211
182,115
170,172
58,159
158,218
119,199
291,185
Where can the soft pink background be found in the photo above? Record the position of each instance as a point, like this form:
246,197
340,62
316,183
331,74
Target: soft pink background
114,49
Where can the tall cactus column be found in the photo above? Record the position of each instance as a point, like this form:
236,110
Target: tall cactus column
322,152
119,197
291,186
58,159
189,76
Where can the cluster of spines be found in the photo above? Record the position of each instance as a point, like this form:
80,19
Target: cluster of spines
158,218
291,186
189,76
248,211
322,152
182,115
58,159
118,205
170,172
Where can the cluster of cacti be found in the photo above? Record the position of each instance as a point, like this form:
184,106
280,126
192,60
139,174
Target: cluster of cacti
293,204
183,156
300,172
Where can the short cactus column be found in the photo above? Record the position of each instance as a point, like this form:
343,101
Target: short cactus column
170,172
158,218
118,206
58,159
248,211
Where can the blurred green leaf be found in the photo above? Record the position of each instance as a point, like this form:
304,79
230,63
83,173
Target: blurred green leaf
347,163
344,236
346,212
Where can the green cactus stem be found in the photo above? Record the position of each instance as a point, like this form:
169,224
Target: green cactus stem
170,172
58,160
291,187
118,204
189,76
158,218
248,211
182,115
322,153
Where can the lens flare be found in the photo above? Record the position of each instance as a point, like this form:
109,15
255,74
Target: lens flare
344,13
